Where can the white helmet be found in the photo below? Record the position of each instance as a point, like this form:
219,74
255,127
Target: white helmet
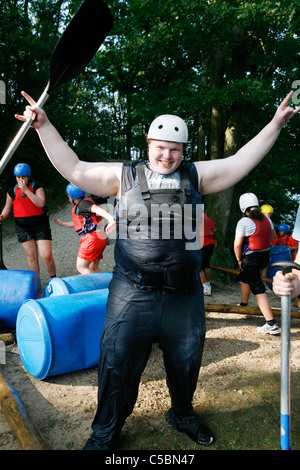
248,200
169,128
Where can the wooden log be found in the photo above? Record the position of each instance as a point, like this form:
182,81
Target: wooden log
236,272
22,425
222,308
7,338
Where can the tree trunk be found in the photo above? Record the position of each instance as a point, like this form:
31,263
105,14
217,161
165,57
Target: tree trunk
226,141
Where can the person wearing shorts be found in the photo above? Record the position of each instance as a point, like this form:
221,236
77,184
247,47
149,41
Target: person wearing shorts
87,222
252,251
27,200
289,284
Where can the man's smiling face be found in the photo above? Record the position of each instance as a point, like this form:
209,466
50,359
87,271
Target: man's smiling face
165,157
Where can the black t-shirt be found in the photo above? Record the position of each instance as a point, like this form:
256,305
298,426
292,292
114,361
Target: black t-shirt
84,208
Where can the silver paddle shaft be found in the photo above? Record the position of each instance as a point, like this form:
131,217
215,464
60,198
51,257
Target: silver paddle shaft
22,132
285,353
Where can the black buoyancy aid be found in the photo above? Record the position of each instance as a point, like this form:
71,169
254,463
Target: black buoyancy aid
84,224
158,238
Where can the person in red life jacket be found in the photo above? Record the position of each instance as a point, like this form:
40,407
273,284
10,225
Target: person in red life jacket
87,222
27,200
268,211
289,284
208,241
252,250
284,238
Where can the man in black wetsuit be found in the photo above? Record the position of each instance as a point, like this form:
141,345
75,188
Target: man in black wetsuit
155,293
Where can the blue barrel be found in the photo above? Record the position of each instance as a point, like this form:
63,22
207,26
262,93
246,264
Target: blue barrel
77,283
61,334
15,288
278,253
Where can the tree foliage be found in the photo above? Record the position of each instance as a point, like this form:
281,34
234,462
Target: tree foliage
222,65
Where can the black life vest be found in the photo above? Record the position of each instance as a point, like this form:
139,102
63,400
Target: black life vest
157,246
84,224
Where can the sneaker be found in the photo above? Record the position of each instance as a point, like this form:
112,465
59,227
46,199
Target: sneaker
207,290
242,304
267,329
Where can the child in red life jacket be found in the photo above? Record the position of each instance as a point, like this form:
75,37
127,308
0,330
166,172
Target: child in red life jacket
86,220
284,238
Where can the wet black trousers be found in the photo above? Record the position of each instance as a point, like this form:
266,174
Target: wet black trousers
134,320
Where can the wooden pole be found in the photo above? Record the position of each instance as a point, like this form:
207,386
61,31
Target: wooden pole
23,427
222,308
296,301
7,338
236,272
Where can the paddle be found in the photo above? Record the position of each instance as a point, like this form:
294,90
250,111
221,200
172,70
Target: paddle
78,44
285,405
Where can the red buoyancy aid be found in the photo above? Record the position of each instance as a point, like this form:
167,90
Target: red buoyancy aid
261,238
283,241
23,205
80,221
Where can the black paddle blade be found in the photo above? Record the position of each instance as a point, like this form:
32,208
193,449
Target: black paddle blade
80,41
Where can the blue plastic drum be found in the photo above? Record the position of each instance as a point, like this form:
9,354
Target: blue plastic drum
61,334
77,283
278,253
15,288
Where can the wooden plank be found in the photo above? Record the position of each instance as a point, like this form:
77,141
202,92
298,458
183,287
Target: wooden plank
236,272
222,308
22,425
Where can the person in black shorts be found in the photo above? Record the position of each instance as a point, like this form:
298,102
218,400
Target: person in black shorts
27,200
252,250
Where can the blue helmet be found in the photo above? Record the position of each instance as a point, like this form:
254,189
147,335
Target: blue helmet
283,228
22,169
75,193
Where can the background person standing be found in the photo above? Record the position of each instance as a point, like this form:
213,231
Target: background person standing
252,251
208,242
27,200
87,222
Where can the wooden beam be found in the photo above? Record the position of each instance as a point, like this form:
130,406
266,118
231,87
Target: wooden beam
7,338
22,425
222,308
236,272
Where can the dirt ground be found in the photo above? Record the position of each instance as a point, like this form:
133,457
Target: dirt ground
240,371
